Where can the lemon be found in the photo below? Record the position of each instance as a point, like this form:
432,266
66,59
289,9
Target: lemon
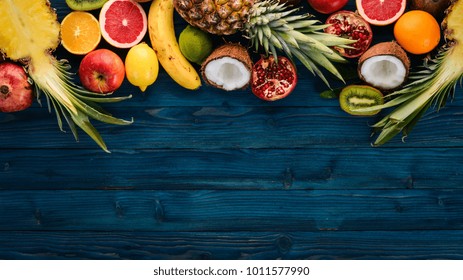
141,66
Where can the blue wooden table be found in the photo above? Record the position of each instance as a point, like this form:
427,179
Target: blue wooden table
210,174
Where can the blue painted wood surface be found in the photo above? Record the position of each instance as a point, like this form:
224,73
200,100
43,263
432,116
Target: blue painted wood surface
216,175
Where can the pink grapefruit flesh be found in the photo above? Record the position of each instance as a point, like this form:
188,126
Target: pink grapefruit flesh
123,23
381,12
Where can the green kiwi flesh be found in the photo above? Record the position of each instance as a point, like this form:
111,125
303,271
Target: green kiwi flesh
85,5
360,97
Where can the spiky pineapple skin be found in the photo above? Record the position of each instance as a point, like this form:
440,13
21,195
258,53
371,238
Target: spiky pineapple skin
220,17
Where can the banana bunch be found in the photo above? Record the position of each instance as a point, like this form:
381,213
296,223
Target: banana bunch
164,42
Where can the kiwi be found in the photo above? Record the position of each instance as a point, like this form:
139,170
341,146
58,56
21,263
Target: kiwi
355,97
85,5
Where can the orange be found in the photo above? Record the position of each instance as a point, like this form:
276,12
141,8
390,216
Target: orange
417,32
80,32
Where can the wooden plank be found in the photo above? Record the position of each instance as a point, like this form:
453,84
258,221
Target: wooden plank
418,245
231,127
232,169
290,211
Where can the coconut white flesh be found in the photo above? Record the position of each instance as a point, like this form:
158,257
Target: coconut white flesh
384,71
227,72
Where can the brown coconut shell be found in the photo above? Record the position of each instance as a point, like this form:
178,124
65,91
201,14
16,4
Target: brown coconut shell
434,7
232,50
385,48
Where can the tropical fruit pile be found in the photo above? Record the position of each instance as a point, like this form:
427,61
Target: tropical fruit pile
386,77
276,37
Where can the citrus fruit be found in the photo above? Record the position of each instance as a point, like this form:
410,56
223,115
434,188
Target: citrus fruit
80,32
381,12
417,32
141,66
195,44
123,23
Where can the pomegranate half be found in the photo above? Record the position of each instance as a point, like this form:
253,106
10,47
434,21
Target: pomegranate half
350,25
273,79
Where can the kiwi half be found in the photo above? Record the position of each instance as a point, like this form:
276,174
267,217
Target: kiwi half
85,5
355,97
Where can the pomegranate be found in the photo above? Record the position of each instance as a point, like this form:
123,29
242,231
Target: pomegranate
272,80
350,25
15,89
327,7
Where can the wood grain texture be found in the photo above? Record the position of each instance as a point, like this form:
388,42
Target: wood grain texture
233,169
229,127
209,174
316,210
328,245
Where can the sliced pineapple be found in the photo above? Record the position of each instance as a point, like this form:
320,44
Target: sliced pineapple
27,27
29,31
453,22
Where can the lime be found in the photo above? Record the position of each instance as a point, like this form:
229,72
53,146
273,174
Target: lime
195,44
141,66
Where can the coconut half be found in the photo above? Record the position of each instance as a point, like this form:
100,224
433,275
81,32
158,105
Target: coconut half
228,67
384,66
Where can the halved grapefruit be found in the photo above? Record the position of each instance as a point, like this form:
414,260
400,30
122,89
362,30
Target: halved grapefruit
381,12
123,23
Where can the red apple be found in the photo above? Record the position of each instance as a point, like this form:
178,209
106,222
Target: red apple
327,7
15,90
102,71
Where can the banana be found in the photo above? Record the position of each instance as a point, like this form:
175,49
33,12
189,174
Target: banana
164,43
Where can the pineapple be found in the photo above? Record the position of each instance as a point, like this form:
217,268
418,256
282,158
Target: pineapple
270,25
221,17
431,86
29,32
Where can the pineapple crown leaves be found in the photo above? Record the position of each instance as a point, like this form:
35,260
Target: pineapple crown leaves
82,106
275,27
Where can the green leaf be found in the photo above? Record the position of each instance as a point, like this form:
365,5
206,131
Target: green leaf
331,40
331,93
83,122
97,115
